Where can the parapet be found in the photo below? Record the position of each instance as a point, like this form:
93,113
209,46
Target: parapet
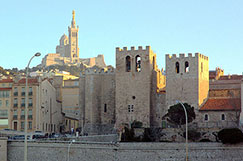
97,71
182,55
125,49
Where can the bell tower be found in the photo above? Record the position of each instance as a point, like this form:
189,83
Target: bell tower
73,40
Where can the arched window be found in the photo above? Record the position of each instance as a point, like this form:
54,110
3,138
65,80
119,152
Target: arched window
222,117
128,64
186,67
206,117
177,67
138,63
201,66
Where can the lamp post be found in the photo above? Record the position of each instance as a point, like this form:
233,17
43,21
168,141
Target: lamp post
69,148
26,106
186,128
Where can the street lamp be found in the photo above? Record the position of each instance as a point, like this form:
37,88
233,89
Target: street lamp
69,148
186,128
26,106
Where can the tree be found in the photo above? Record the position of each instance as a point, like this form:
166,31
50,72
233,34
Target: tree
176,114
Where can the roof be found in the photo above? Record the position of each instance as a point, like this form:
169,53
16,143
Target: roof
6,81
231,77
212,74
222,104
226,82
30,80
5,89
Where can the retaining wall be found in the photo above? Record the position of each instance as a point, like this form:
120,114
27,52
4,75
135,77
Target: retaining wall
53,151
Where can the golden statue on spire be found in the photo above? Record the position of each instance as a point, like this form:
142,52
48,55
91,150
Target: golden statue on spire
73,15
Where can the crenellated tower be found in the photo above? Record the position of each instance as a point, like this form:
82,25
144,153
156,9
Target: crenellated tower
134,69
187,79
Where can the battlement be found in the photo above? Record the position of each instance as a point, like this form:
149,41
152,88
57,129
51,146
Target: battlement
182,55
125,49
98,71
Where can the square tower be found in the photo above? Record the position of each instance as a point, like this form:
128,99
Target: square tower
73,41
187,79
133,85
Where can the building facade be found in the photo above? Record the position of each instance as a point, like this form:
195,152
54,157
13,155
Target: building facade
5,102
70,104
44,111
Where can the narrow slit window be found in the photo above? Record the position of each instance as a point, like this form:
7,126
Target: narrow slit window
201,66
177,67
105,107
128,64
154,62
186,67
138,63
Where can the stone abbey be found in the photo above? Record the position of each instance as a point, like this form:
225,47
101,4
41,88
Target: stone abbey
136,90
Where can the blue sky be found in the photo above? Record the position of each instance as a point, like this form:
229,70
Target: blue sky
211,27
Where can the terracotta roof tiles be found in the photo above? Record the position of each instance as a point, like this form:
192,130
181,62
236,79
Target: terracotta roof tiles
5,89
30,80
222,104
6,81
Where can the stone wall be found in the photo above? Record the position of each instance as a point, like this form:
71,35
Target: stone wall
3,148
97,100
39,151
215,120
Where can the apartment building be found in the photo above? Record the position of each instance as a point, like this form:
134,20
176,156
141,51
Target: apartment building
5,101
70,104
44,112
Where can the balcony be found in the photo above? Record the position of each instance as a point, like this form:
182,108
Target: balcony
22,117
30,104
22,104
15,105
30,93
22,93
15,117
30,117
15,93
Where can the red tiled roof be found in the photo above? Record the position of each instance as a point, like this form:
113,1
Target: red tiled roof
5,89
222,104
6,81
30,80
231,77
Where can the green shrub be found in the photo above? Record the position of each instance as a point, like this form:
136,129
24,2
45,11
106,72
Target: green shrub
230,136
136,124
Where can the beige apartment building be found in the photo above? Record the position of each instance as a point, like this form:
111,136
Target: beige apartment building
44,112
17,112
70,103
49,116
5,102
